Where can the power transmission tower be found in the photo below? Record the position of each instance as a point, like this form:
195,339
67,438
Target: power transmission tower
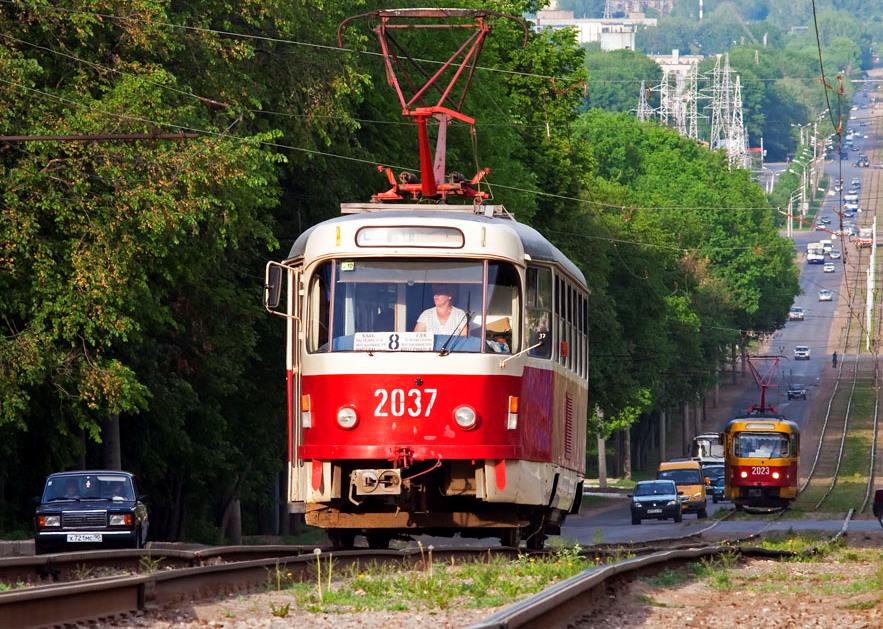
737,144
664,99
720,104
691,101
644,111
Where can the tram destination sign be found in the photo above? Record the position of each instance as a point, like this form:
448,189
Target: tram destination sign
393,341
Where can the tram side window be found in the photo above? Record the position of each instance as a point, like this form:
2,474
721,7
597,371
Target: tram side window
538,311
502,320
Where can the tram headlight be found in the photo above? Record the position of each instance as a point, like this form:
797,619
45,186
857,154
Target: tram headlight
743,474
776,475
347,417
466,417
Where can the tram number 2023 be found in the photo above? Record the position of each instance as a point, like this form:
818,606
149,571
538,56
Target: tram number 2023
398,402
760,471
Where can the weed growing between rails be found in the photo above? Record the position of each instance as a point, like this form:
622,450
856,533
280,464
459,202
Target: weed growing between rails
430,587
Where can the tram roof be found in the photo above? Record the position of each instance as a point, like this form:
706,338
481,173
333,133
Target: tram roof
534,243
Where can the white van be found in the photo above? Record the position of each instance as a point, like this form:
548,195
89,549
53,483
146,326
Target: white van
827,245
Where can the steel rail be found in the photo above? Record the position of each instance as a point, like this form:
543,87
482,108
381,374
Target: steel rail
563,604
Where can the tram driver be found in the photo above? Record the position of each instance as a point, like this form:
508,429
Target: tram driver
443,317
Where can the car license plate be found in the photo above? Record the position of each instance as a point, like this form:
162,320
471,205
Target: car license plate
83,537
654,510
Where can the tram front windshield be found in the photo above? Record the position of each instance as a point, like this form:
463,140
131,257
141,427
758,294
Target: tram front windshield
374,305
761,445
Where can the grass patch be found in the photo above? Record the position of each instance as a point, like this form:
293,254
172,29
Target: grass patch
717,570
480,584
668,578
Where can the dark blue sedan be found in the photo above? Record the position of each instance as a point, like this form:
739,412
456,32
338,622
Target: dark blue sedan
656,500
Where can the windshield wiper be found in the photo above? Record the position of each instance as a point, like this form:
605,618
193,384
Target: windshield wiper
466,316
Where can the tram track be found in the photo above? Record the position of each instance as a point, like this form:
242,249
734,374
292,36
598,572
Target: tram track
850,429
168,577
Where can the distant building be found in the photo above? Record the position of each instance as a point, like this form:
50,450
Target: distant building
627,7
612,33
676,63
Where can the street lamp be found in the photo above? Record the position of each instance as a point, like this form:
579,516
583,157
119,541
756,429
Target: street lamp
801,127
803,204
790,230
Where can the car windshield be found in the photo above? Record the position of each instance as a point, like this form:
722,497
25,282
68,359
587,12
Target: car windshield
713,472
88,487
654,489
681,477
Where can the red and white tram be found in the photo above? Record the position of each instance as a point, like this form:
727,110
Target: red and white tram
480,432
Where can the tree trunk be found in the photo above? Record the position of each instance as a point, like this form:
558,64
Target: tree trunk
602,462
663,455
110,446
232,529
627,454
685,427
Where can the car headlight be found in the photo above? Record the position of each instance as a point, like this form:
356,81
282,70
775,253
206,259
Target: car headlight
49,520
671,503
697,495
121,519
637,505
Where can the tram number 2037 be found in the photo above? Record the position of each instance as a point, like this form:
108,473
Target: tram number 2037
397,402
760,471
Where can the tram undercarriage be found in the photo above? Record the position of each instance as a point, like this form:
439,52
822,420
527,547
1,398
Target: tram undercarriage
514,501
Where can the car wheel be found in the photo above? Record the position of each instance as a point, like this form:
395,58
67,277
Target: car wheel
703,513
636,520
714,499
679,517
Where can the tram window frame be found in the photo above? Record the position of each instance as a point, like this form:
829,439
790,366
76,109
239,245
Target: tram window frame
538,310
348,296
319,323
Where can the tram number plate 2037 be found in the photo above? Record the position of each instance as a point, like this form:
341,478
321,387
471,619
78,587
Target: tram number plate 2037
760,470
84,537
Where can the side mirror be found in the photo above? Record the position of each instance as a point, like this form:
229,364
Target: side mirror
273,286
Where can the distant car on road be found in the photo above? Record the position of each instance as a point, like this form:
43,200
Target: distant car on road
714,480
825,295
657,500
828,268
834,254
796,391
718,489
801,352
795,314
878,505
